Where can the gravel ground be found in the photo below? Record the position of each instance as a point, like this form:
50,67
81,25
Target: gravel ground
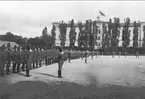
101,78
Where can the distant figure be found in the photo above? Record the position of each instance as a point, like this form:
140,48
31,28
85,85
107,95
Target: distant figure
86,55
137,54
119,54
69,56
60,61
92,55
113,54
29,59
2,60
125,54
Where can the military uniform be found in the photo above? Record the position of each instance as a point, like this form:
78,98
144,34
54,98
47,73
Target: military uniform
113,54
92,55
2,59
23,60
69,56
60,63
8,57
29,60
119,54
40,57
36,57
137,54
125,54
86,55
14,59
18,59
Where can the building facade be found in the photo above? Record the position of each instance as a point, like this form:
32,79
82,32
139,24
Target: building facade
99,35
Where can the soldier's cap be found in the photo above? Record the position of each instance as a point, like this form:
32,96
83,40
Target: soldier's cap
8,44
15,46
18,47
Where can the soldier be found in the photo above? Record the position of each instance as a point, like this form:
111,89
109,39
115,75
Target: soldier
69,56
40,57
125,54
86,55
137,54
60,61
92,55
14,59
113,54
33,60
36,57
119,53
29,59
8,57
18,59
2,60
23,60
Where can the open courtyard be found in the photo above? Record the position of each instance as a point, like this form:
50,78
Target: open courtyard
103,77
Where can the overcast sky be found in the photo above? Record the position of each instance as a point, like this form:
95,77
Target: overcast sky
28,18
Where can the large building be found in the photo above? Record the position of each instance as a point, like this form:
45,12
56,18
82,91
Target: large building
98,41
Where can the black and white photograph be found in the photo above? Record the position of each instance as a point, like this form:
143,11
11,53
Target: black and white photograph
72,49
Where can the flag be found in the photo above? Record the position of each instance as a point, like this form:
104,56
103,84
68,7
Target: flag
102,14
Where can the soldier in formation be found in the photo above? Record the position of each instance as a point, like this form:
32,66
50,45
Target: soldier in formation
92,55
8,58
14,59
23,58
125,54
119,54
60,62
29,57
86,55
2,60
18,58
69,56
137,54
113,54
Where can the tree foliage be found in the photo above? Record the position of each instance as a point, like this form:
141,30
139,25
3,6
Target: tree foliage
46,39
105,37
115,33
144,37
72,34
53,34
62,36
14,38
135,35
126,34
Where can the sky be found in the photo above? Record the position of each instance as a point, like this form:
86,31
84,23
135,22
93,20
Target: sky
28,18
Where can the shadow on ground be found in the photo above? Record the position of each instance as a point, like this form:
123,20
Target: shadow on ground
48,75
66,90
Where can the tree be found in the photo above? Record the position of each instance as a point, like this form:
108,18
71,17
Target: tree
115,33
86,34
72,34
80,36
46,38
62,36
105,37
110,31
135,35
9,37
144,37
126,34
53,34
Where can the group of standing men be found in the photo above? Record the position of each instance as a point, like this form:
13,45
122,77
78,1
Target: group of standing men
18,58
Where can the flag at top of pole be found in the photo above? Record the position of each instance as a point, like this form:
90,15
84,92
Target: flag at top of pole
101,13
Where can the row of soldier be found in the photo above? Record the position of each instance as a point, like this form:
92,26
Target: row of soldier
22,58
